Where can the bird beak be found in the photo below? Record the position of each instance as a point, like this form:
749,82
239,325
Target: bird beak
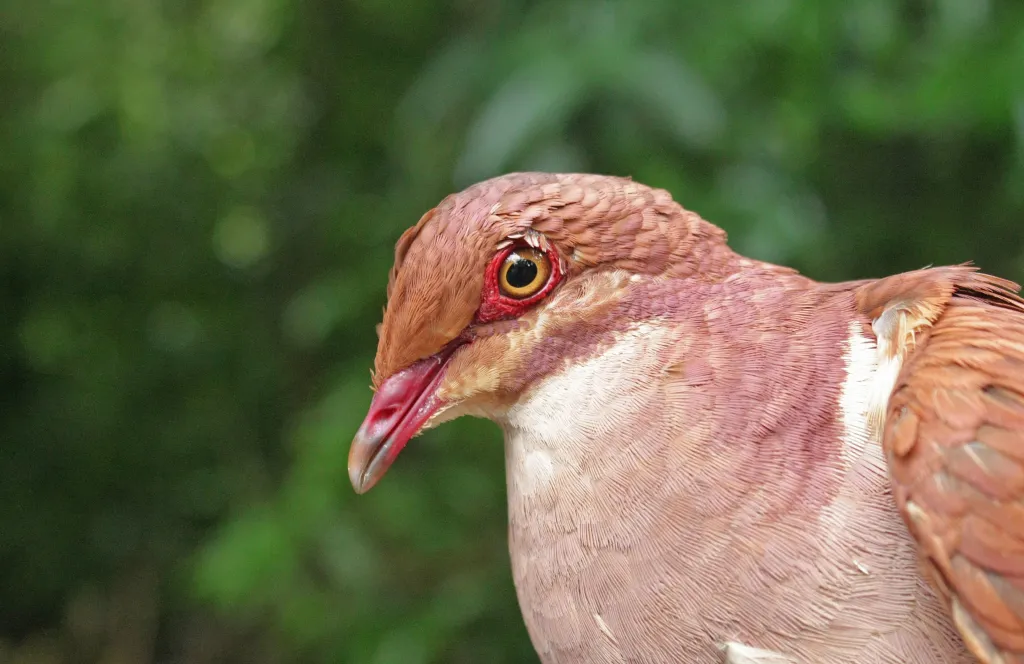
401,406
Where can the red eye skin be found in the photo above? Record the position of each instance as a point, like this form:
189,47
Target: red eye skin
495,305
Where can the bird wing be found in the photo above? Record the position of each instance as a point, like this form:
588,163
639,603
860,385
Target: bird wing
954,439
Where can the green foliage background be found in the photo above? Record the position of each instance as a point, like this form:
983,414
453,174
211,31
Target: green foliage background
198,203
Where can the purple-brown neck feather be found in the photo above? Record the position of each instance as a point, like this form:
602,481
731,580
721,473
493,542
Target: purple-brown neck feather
781,374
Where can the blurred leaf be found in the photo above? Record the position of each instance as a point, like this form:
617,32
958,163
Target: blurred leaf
537,97
674,94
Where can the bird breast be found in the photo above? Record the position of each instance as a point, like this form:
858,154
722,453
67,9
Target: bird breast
665,501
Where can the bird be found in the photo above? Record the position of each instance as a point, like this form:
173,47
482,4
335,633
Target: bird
711,458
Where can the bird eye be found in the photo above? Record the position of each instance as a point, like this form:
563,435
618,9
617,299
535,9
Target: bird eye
524,272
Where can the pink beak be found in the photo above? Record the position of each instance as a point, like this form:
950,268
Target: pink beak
401,406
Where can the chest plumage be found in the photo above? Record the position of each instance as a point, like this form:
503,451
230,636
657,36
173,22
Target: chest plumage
709,458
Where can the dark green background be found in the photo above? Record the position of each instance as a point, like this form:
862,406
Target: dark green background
198,204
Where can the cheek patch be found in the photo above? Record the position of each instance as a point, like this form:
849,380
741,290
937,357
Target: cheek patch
476,369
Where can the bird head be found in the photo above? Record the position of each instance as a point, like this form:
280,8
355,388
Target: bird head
509,281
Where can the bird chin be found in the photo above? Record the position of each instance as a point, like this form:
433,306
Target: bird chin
400,408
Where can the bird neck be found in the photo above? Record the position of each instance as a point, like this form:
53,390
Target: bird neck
752,405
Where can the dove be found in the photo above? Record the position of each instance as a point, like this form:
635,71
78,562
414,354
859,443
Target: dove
711,458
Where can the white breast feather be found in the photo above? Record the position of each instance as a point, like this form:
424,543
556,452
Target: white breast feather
872,371
737,653
543,428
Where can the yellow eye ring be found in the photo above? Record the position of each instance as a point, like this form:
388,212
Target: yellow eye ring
523,273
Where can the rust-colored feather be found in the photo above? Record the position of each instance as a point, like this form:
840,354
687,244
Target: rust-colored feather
954,438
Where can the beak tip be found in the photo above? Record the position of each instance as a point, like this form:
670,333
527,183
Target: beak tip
364,467
355,476
357,467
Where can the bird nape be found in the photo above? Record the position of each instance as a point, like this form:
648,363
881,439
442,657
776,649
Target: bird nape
711,458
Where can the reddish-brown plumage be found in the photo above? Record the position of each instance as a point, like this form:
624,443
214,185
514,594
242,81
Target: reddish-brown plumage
694,440
955,440
594,221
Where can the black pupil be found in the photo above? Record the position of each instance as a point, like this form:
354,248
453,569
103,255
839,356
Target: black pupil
521,273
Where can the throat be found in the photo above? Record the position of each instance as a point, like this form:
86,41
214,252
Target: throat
587,410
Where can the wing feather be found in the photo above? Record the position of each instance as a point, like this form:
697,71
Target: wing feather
954,440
